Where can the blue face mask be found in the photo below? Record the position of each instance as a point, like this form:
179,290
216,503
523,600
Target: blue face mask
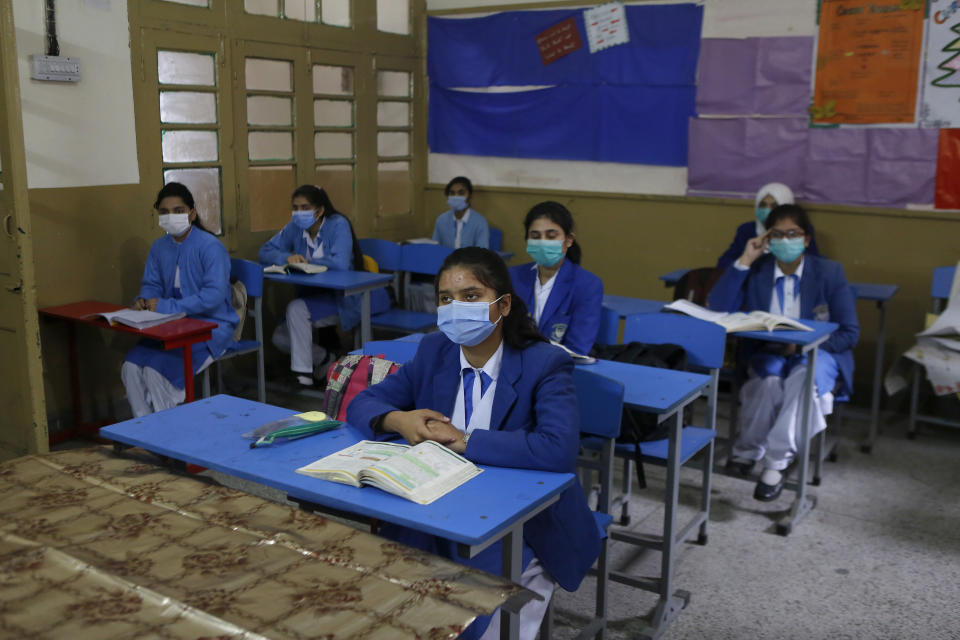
788,249
304,219
762,213
466,323
457,203
545,253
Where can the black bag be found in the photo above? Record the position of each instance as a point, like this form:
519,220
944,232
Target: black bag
638,426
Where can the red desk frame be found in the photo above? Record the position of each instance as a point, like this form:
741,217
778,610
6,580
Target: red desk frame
182,333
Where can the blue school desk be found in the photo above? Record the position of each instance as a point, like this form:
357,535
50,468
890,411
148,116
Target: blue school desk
663,392
624,306
807,342
492,506
345,282
880,294
672,278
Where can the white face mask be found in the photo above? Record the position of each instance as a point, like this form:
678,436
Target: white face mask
175,224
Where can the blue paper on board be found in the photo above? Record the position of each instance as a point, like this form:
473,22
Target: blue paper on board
501,49
629,103
642,125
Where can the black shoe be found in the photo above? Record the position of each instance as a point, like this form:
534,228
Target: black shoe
740,468
769,492
299,381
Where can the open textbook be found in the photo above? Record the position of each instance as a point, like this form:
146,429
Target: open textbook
137,319
739,321
421,473
303,267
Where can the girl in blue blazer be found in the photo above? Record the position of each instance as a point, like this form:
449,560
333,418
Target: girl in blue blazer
565,299
489,387
461,226
768,197
317,233
188,271
787,282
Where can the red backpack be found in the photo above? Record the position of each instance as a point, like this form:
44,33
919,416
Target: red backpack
350,375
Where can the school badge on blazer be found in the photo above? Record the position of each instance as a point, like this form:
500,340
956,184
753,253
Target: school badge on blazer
821,313
557,331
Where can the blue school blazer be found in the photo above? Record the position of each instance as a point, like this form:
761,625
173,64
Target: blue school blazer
476,231
572,313
745,232
534,424
824,295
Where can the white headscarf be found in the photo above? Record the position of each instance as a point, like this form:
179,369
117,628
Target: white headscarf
778,191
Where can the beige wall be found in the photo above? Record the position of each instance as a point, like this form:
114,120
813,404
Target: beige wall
78,134
629,240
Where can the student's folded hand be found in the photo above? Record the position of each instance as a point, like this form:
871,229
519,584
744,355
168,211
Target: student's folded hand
295,258
414,425
446,434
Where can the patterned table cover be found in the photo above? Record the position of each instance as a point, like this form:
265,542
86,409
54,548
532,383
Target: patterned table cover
93,545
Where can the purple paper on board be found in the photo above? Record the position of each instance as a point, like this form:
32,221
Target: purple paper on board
761,76
725,76
783,75
889,167
836,168
903,166
743,154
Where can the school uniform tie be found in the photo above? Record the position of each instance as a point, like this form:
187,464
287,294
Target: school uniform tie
468,381
780,285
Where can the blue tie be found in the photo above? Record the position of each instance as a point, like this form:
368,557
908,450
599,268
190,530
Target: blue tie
468,377
780,285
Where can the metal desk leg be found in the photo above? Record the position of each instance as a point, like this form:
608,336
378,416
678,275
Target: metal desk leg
914,402
365,333
801,503
512,558
188,371
670,603
75,392
867,446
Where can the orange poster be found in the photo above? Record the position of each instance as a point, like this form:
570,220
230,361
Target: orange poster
868,61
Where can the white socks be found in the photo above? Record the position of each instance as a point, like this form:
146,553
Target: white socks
770,477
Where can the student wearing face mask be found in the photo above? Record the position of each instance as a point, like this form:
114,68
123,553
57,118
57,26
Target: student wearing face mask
187,270
461,226
768,198
788,281
564,298
317,233
490,388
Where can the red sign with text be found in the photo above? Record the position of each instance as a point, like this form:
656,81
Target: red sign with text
559,40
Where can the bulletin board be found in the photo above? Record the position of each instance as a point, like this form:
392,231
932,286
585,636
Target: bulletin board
761,105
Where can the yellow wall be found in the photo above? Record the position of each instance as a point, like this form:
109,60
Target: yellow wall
629,240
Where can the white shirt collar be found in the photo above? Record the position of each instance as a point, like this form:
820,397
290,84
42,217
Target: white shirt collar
541,293
491,367
310,241
466,216
778,273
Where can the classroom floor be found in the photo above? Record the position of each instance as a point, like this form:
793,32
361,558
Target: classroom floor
879,556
